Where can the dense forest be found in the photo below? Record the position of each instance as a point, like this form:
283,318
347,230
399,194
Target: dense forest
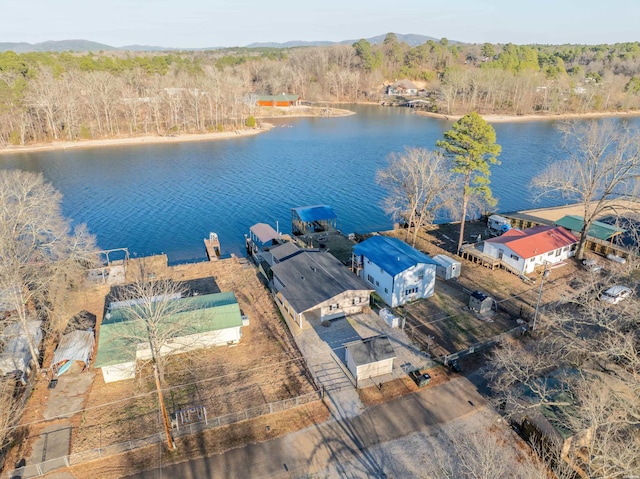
70,96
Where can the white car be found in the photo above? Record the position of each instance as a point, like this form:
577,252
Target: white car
615,294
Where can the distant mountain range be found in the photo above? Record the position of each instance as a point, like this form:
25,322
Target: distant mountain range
88,46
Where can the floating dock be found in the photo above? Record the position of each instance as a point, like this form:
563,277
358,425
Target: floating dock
212,245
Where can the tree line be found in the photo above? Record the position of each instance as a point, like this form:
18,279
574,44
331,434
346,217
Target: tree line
71,96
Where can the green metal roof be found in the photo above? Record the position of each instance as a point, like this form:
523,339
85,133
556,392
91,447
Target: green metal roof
119,335
599,230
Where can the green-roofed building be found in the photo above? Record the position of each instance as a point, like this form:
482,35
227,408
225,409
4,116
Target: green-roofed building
199,322
598,230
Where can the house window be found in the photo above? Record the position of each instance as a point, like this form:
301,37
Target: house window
550,253
355,301
333,307
558,251
386,291
565,249
377,283
409,291
370,278
420,275
517,258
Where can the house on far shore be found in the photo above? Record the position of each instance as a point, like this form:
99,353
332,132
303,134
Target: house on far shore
398,272
402,88
199,322
282,100
313,285
524,250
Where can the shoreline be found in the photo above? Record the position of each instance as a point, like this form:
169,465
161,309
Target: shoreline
496,118
136,140
265,126
181,138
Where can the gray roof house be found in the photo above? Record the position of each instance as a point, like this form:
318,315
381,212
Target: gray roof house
315,286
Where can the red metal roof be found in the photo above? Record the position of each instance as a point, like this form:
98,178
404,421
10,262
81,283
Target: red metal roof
535,241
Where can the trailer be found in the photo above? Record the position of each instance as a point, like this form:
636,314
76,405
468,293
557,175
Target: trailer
498,224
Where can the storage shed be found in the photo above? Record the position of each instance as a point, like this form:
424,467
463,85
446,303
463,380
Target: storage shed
371,357
446,267
480,302
16,357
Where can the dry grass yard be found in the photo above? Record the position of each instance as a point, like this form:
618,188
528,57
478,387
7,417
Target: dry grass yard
264,367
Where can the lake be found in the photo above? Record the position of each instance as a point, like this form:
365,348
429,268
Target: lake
168,197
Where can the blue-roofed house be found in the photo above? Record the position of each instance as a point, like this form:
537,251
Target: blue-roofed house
398,272
312,219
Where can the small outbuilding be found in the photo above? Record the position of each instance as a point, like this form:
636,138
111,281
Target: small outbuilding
16,357
499,224
371,357
74,346
480,302
446,267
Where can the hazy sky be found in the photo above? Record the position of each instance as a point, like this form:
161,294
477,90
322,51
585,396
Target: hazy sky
211,23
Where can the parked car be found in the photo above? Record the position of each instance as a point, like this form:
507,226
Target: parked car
615,294
591,265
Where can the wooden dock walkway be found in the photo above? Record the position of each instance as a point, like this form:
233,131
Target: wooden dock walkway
212,245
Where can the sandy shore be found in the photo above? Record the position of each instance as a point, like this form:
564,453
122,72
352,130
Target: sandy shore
522,118
295,112
136,140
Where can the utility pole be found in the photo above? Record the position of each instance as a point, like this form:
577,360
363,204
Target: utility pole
545,274
163,409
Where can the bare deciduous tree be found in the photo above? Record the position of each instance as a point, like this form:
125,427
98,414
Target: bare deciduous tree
584,369
602,171
149,310
40,255
419,184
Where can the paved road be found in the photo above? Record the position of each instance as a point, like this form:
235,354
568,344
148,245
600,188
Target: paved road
304,452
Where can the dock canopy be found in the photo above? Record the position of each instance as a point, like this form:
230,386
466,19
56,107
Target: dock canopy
263,233
598,229
312,219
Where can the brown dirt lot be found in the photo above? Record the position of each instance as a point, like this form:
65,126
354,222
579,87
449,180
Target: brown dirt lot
264,367
401,387
207,443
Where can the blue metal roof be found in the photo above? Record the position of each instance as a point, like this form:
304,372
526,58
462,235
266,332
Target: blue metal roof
315,213
391,254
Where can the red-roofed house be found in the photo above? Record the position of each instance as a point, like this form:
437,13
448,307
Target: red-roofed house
526,249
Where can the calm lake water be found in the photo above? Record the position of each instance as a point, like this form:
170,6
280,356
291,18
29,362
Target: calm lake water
167,198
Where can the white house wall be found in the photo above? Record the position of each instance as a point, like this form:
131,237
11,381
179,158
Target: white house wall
349,302
527,266
392,289
119,372
379,280
410,279
372,370
508,255
192,342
